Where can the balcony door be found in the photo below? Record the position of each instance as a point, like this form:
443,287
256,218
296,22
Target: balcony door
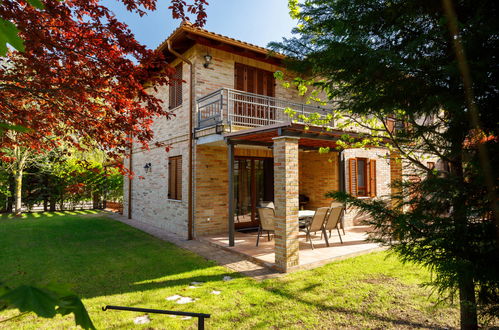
253,183
250,109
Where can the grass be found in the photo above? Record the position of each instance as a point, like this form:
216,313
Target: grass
107,262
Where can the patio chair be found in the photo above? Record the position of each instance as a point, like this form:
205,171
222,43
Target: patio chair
316,224
333,220
267,204
266,216
342,215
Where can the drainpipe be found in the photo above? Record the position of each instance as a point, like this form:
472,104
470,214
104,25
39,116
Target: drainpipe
130,184
191,96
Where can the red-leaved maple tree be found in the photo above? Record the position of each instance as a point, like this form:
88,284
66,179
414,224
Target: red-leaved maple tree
82,79
83,76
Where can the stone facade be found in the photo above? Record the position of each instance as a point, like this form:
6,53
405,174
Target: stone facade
286,177
319,174
150,201
295,172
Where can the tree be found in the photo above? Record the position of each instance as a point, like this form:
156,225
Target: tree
74,79
422,76
77,80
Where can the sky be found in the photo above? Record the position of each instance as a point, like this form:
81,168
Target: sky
254,21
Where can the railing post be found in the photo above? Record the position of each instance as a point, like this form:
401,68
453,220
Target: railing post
201,323
268,111
199,114
221,108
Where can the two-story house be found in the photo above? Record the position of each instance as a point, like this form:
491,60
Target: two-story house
233,146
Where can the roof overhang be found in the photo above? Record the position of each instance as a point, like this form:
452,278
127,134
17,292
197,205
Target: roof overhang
310,137
187,35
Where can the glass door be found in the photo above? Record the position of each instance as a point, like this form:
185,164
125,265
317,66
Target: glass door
253,183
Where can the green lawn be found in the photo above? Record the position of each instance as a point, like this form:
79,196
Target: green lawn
107,262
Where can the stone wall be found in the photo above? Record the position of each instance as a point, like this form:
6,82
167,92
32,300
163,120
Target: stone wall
318,176
212,181
150,201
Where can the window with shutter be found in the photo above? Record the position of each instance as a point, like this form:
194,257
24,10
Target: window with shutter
362,177
175,92
175,177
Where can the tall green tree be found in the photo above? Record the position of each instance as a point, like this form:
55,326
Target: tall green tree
423,76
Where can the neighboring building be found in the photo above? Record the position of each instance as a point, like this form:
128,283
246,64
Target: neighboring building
239,127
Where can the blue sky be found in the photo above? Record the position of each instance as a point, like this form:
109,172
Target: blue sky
253,21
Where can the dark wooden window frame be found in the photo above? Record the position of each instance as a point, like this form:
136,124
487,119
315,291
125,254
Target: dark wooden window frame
175,178
175,88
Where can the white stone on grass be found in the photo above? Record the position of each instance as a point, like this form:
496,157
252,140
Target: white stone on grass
193,287
197,283
227,278
174,297
186,318
216,292
142,319
185,300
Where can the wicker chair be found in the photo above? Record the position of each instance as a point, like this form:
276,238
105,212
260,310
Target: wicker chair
316,224
266,216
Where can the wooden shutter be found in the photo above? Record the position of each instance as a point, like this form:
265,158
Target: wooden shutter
175,88
239,77
178,186
171,177
178,90
372,178
175,177
352,165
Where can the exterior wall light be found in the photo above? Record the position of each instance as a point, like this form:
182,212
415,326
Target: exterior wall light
148,167
207,60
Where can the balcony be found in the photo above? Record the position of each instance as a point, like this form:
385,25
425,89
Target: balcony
234,108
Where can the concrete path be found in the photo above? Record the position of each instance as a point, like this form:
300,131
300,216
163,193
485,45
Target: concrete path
230,260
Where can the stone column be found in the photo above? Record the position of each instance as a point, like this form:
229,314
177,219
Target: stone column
286,202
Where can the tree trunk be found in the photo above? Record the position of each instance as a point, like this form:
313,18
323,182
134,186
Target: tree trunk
46,193
18,179
467,304
52,202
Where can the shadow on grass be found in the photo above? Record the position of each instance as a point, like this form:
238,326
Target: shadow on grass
346,311
95,256
38,215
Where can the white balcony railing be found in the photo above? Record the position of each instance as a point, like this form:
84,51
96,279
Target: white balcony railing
233,107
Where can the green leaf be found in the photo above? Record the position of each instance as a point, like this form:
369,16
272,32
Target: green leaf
31,299
17,128
36,3
9,35
73,304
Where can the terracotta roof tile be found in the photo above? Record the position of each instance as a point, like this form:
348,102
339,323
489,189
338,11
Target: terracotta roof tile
187,26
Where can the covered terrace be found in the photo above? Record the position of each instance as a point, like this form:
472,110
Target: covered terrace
288,250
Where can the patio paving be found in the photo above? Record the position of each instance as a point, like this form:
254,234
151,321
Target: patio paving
354,243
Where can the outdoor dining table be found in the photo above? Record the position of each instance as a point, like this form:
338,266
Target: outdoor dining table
304,216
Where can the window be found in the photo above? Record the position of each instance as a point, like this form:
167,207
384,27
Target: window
362,177
175,95
175,178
